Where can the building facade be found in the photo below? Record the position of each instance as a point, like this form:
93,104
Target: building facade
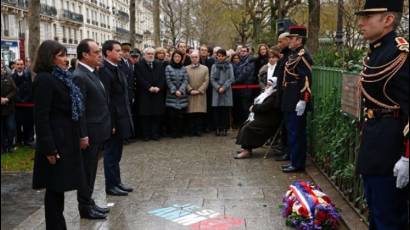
69,21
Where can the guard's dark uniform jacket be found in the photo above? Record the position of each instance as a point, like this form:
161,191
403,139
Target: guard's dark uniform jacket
297,79
385,91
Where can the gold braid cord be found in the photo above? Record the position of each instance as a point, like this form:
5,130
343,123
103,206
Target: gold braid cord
386,71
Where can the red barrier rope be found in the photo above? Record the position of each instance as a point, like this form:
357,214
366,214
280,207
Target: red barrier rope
24,104
246,86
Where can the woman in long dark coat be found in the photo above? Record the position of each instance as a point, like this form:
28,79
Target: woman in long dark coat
57,108
262,122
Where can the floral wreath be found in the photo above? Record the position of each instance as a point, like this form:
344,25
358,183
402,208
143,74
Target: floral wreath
306,207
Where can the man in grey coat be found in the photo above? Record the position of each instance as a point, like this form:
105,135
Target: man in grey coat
95,124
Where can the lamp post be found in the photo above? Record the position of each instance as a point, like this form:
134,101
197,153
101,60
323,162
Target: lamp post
257,24
339,30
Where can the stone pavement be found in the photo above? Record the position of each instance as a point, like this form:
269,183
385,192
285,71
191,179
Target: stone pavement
199,171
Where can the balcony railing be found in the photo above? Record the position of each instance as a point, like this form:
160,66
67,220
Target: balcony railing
73,16
123,15
48,10
122,31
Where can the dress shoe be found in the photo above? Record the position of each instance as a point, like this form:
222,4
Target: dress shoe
125,188
217,133
284,157
115,191
285,166
91,213
291,169
101,209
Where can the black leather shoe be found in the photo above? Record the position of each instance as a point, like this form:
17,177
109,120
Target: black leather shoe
91,213
125,188
283,157
115,191
285,166
291,169
101,209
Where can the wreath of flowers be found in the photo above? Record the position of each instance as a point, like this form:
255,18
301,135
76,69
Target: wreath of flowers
306,207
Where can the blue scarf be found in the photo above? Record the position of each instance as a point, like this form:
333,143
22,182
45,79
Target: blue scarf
77,105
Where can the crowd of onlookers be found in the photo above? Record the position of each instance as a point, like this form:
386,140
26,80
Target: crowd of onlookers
195,91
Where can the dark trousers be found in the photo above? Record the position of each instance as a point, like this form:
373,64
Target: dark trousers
54,208
151,126
90,159
221,117
296,129
209,123
175,122
8,131
195,120
112,158
388,205
24,124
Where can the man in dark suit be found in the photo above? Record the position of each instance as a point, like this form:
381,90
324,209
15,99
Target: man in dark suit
383,159
95,123
24,104
115,83
150,78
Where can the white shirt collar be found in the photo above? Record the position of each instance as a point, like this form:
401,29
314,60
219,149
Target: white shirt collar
111,62
86,66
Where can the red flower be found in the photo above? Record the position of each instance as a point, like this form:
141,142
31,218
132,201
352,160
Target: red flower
321,216
303,212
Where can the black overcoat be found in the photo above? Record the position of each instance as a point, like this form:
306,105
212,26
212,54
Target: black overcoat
267,120
55,132
115,84
150,104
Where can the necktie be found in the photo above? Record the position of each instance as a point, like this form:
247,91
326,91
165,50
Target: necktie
151,65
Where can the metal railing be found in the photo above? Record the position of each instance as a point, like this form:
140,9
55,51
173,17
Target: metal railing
72,16
122,31
333,136
48,10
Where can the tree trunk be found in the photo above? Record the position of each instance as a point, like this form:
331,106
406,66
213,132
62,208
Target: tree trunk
33,28
132,23
314,25
157,24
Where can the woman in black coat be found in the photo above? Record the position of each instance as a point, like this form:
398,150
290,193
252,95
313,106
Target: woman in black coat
57,108
262,122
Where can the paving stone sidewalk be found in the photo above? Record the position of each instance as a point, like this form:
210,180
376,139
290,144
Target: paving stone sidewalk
196,171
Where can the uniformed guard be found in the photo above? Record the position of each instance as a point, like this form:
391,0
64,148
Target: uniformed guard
383,158
296,95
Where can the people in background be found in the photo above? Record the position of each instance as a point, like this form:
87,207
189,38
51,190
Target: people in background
182,47
150,78
222,77
198,80
267,71
177,97
24,104
8,122
73,65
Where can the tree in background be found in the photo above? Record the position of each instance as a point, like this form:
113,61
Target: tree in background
33,27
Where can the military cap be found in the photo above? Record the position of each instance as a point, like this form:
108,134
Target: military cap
379,6
135,52
297,31
126,44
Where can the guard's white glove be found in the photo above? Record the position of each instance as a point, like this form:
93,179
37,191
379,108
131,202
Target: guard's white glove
401,171
300,108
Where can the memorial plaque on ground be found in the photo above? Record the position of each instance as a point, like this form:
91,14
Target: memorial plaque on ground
351,99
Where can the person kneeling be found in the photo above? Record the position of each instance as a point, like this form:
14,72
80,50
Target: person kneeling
262,122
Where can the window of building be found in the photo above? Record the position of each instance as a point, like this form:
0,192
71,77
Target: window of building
64,33
55,30
88,34
62,4
67,5
81,35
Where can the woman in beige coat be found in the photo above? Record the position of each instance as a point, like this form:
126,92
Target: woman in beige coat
198,79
